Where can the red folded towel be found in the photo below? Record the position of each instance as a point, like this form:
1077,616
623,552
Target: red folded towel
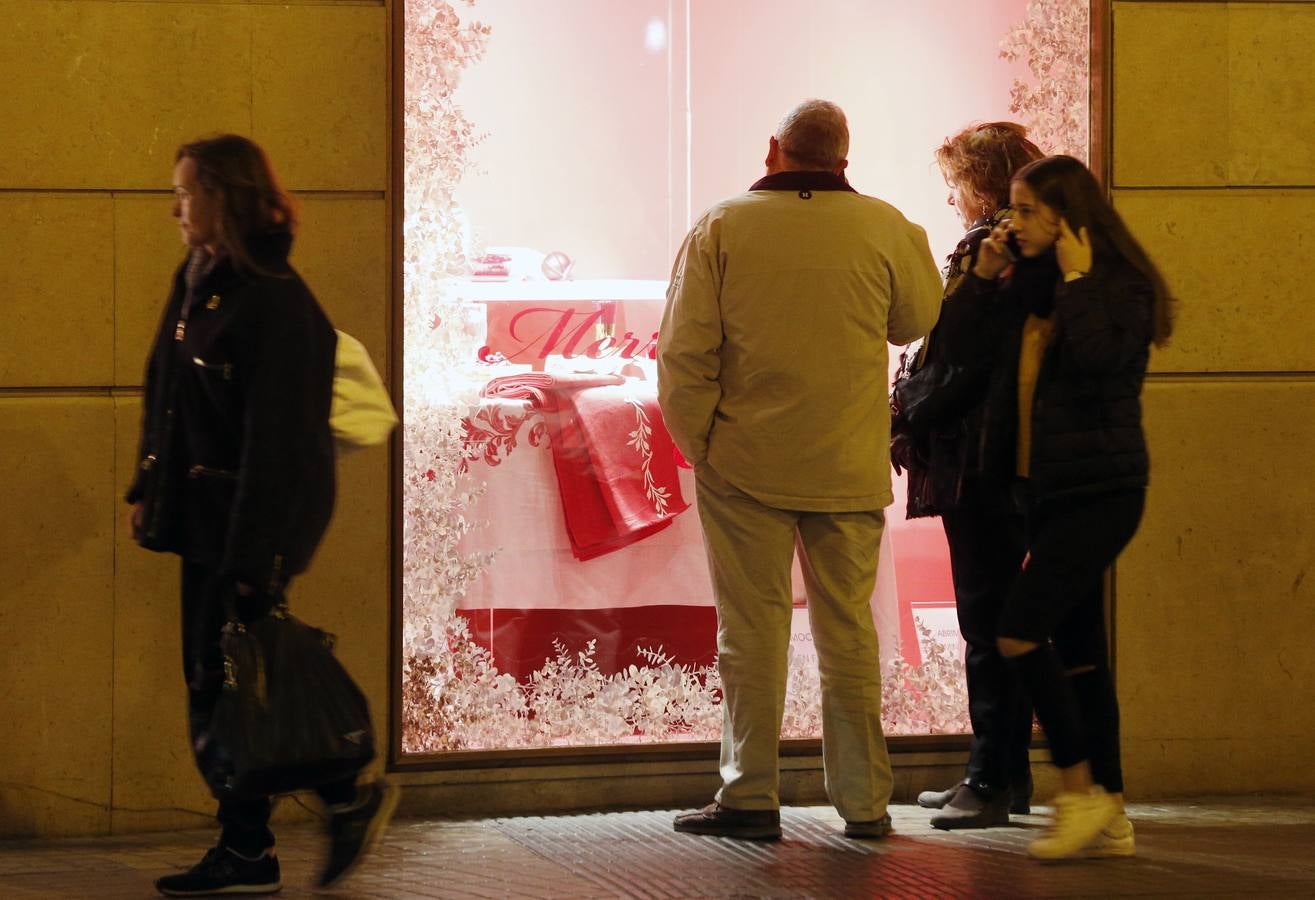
615,461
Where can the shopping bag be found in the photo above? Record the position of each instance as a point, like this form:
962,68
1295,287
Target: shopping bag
362,413
288,717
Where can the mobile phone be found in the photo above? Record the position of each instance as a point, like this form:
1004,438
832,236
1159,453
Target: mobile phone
1011,244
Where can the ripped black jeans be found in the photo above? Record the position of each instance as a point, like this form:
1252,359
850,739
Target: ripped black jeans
1058,602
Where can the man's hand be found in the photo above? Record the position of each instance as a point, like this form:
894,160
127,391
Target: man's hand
244,589
135,518
993,255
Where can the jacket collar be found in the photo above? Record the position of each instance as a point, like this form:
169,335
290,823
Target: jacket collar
802,181
270,249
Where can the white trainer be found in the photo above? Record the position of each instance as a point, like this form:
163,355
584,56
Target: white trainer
1079,820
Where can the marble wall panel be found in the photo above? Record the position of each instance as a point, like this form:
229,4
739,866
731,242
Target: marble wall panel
1171,109
57,285
342,253
57,613
319,92
1233,259
1215,599
106,91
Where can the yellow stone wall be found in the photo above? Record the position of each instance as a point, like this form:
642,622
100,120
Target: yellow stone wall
97,96
1214,169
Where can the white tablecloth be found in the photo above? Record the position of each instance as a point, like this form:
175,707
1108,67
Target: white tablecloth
520,517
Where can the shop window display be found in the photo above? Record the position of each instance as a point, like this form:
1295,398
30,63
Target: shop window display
556,592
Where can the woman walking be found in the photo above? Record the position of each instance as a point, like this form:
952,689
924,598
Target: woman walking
1078,315
236,473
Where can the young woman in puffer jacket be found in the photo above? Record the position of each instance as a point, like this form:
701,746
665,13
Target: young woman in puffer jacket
1069,331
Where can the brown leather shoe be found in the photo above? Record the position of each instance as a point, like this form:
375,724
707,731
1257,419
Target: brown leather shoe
938,799
722,821
973,808
873,828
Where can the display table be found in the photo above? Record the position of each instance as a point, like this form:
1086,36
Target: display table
652,594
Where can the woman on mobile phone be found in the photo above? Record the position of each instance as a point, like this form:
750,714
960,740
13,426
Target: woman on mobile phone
939,410
1074,359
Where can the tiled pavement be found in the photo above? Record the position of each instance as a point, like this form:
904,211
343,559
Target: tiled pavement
1222,847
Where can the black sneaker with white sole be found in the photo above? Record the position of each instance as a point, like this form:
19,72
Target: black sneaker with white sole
224,871
355,828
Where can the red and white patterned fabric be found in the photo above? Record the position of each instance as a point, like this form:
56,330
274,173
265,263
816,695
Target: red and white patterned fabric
614,460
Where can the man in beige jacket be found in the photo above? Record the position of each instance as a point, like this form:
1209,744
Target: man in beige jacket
772,368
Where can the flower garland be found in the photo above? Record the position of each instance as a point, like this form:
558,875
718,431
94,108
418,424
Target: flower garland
439,337
1054,39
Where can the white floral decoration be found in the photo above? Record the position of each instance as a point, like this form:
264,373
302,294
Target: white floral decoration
656,493
1055,41
454,697
439,339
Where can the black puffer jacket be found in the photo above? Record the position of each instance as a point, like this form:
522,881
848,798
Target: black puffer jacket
1086,415
237,459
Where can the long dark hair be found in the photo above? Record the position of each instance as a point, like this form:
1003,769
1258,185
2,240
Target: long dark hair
1068,187
982,160
251,200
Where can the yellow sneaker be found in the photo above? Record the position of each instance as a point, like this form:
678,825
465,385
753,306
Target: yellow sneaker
1115,839
1079,820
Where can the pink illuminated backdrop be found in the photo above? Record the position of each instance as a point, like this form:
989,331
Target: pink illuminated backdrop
601,129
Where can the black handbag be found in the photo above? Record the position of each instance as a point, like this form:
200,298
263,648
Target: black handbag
927,391
926,438
288,717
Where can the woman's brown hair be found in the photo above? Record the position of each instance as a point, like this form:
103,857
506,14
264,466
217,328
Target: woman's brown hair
981,161
251,200
1067,186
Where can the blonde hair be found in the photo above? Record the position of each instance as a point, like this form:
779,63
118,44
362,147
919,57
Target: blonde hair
981,160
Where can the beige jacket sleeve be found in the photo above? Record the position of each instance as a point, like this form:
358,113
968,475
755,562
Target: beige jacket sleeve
915,297
689,344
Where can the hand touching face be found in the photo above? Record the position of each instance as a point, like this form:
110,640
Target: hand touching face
1073,251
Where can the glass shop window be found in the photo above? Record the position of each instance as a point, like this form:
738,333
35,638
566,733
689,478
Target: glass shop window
556,591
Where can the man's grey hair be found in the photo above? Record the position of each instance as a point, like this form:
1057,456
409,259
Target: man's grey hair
814,135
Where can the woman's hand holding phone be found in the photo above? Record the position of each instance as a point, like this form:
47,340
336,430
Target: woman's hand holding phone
993,254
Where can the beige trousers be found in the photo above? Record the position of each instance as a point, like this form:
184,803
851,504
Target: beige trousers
750,551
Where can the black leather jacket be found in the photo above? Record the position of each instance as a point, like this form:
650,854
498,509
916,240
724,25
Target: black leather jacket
236,457
939,407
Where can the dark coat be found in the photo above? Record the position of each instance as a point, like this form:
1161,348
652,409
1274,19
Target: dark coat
939,406
236,458
1086,414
